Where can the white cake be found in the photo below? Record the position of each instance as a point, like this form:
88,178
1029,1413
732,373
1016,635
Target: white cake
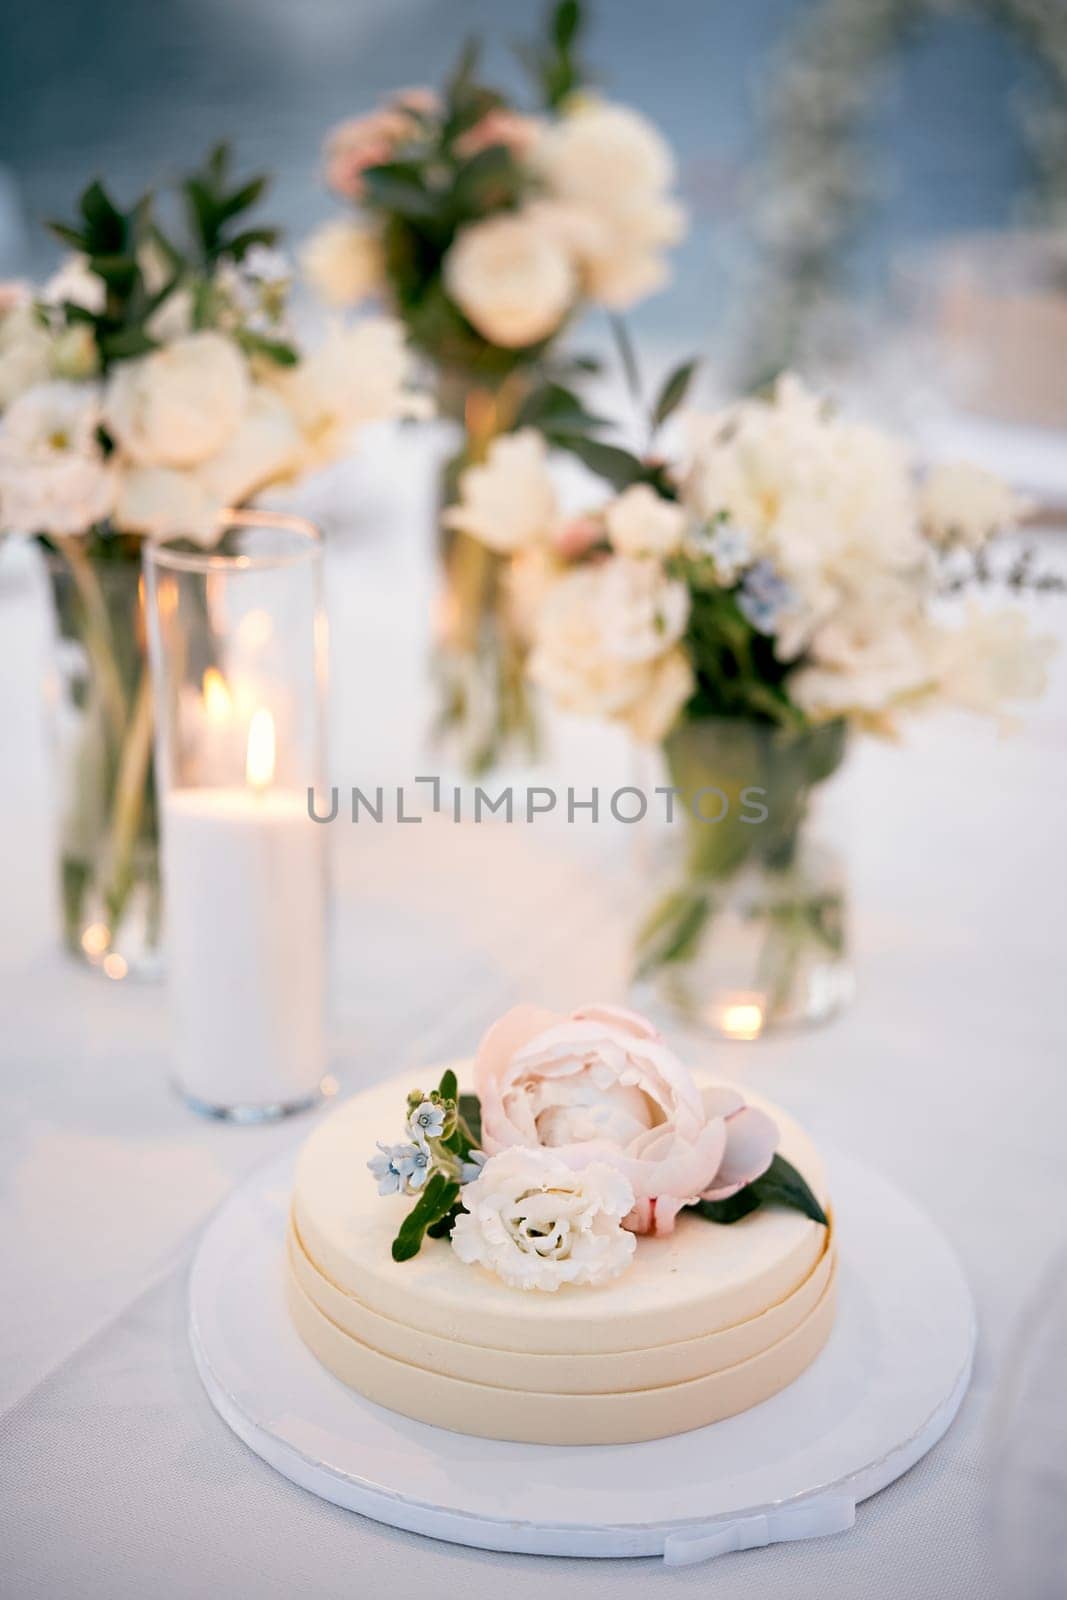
704,1323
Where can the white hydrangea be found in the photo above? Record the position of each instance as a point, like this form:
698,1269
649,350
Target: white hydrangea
828,502
537,1224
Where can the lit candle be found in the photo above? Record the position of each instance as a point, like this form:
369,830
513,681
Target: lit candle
245,883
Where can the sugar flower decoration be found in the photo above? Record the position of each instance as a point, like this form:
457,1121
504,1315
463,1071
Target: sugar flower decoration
537,1223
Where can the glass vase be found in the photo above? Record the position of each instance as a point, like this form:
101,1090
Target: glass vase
485,713
748,929
102,703
239,650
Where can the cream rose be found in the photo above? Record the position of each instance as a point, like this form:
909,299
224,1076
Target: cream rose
539,1223
342,262
641,523
601,1087
512,280
357,375
180,404
606,171
25,350
509,502
605,644
53,476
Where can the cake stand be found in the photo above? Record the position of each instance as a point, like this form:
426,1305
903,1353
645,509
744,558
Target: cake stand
878,1397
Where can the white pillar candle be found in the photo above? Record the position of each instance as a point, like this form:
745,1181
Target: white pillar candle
245,885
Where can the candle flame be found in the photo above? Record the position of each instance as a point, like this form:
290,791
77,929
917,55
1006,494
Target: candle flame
259,767
218,704
742,1019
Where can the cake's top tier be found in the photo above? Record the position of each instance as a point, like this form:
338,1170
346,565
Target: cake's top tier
699,1279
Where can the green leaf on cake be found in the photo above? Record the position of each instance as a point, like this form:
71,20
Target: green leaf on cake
432,1206
448,1088
470,1110
780,1185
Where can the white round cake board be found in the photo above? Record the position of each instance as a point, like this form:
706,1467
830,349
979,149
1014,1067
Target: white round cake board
878,1397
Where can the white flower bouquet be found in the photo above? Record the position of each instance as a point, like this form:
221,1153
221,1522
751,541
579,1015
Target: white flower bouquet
150,385
788,582
488,229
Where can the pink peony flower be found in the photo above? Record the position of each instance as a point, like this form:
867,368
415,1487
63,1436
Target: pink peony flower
601,1086
499,127
364,142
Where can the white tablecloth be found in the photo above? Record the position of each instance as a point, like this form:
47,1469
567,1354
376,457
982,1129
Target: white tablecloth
949,1073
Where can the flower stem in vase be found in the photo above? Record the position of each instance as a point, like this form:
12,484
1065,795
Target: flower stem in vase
109,873
753,919
485,707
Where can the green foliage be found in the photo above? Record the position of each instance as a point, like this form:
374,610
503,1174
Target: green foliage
674,390
737,671
111,240
780,1185
215,211
141,266
432,1206
554,66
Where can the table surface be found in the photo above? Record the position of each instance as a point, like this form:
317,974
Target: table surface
947,1073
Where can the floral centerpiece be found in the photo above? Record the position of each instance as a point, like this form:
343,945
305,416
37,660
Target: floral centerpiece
147,387
488,229
787,584
581,1133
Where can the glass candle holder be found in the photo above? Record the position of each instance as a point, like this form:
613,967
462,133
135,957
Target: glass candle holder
237,642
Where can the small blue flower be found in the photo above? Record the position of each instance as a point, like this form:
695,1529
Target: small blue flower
472,1168
401,1168
764,598
427,1121
730,547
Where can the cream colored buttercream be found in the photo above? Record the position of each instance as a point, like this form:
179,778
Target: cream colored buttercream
561,1419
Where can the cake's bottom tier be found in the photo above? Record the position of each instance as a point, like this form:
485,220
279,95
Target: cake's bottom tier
544,1417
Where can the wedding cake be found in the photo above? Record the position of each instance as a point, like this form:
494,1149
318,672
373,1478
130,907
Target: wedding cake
574,1243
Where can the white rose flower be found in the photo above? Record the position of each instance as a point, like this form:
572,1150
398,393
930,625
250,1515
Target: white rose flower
267,446
343,263
25,350
509,502
53,476
512,280
605,643
537,1224
641,523
180,404
962,504
602,155
357,375
608,170
866,661
165,502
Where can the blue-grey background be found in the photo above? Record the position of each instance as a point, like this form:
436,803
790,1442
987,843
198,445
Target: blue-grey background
136,89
